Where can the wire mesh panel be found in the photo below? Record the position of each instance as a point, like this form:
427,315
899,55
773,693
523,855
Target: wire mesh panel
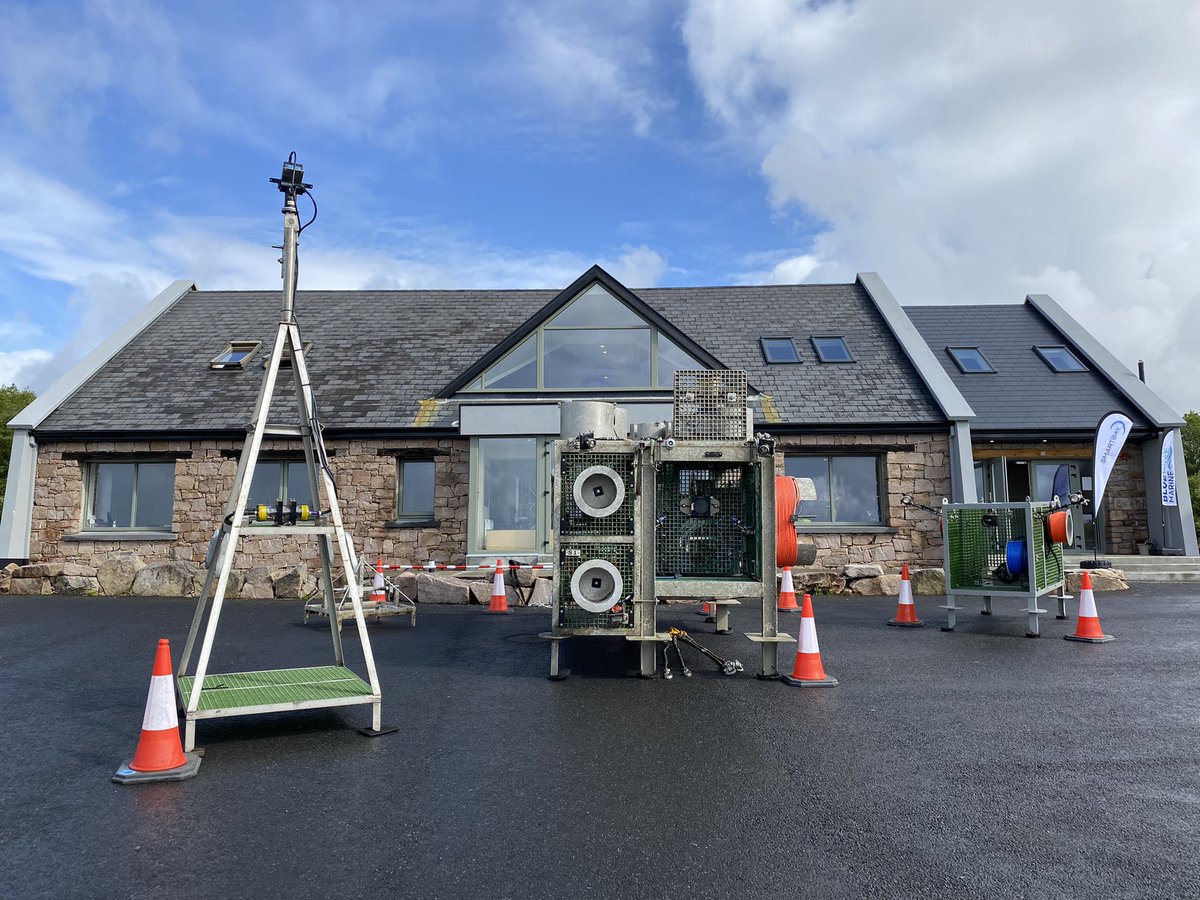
596,496
574,556
707,521
710,405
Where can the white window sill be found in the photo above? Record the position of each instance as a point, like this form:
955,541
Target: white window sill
118,535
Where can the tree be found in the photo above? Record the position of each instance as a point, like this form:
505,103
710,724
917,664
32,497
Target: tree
1191,458
12,400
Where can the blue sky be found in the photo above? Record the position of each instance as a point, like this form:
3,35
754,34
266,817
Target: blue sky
967,154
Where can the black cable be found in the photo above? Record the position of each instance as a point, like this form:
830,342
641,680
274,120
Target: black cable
310,196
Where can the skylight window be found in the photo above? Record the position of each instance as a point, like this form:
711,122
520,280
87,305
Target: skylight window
234,356
1060,359
832,350
970,360
779,350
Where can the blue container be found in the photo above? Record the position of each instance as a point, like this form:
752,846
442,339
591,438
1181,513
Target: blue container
1015,557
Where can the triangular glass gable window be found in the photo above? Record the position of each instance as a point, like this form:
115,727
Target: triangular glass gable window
593,343
516,370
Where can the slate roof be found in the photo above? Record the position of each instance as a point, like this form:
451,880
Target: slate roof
1024,395
378,354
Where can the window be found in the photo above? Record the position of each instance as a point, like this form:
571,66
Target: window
847,489
970,360
832,350
235,355
1060,359
594,342
414,490
779,350
133,496
509,494
282,479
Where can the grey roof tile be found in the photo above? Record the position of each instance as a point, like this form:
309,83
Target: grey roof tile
1023,394
377,355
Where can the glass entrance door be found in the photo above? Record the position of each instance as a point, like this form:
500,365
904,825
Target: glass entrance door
1062,478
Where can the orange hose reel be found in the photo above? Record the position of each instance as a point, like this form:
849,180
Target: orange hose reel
1060,527
786,542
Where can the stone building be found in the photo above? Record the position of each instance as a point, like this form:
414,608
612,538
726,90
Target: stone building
438,408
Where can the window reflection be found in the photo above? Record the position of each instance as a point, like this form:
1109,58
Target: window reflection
597,358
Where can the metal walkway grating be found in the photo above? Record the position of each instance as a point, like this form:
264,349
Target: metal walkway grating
235,690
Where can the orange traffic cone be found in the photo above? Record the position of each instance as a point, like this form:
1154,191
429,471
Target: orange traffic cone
378,594
906,612
1087,629
499,602
159,755
808,671
706,609
787,592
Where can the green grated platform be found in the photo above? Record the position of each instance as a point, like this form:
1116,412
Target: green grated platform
233,690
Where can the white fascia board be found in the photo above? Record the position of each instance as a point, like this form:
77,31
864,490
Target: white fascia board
1149,403
50,399
953,404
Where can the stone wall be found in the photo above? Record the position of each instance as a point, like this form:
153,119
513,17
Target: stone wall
916,464
1124,497
204,475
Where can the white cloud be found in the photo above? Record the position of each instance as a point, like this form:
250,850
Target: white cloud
115,262
16,365
975,153
593,62
638,267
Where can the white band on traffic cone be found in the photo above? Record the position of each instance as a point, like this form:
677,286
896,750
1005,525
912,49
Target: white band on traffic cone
808,636
906,594
160,705
1087,605
786,585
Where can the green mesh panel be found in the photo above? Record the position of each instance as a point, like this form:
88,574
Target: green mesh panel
575,522
723,544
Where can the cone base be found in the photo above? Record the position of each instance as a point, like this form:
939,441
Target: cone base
497,611
126,775
1103,639
788,609
827,681
382,730
897,623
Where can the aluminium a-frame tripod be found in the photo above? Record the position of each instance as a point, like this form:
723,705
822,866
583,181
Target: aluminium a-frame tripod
209,695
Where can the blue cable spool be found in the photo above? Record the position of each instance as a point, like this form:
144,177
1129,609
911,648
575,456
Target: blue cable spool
1015,557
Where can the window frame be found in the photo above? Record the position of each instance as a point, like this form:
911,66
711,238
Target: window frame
1041,349
251,347
655,334
833,524
88,525
422,517
762,344
543,537
820,354
990,370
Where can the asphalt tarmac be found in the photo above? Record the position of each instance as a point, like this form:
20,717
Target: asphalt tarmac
974,764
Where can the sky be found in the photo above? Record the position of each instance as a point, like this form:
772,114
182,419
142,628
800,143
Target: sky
968,153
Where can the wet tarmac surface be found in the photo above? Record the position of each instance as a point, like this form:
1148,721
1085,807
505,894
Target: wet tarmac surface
974,764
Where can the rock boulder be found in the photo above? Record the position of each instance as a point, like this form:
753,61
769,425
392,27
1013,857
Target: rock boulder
75,584
928,582
116,574
177,578
438,589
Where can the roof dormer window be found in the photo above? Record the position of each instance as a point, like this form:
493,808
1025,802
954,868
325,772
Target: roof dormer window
1060,359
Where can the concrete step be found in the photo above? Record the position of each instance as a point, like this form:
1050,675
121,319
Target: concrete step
1149,569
